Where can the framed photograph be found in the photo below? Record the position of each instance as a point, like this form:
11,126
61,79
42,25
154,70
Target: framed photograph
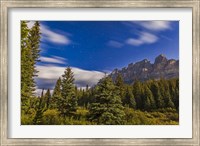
100,72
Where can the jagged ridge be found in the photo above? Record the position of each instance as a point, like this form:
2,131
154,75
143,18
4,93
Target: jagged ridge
144,70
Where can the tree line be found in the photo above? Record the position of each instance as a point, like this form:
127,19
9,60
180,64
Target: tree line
107,103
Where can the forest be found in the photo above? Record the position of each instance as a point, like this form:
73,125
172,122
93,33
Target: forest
109,102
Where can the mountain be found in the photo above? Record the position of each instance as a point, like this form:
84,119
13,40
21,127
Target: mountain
144,70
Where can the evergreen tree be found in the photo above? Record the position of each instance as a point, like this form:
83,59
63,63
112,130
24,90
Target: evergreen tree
87,88
174,91
67,84
168,100
176,101
41,107
56,95
57,89
34,41
107,108
120,86
91,99
76,92
138,94
26,63
29,56
85,99
149,102
166,94
157,95
119,80
129,98
30,40
47,98
68,102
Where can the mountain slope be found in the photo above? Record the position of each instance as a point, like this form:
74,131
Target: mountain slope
144,70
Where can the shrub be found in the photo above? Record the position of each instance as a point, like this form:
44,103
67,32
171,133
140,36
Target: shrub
50,117
27,119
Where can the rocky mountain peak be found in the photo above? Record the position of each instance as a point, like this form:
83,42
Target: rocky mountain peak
145,61
145,70
161,58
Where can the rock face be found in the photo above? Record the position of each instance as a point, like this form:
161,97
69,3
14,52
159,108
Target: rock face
144,70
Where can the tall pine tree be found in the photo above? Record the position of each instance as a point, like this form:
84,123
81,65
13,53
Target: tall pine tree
34,39
157,95
107,108
68,102
138,94
166,94
120,86
149,102
41,107
176,102
26,63
30,39
47,98
129,98
56,95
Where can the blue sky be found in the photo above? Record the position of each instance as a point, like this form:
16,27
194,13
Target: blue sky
94,47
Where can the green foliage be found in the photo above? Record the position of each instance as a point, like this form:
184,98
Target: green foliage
138,92
57,89
81,112
107,108
34,39
85,96
34,43
150,118
72,121
26,65
50,117
157,95
165,93
149,102
129,98
28,114
120,86
67,103
41,107
47,98
30,39
67,84
54,102
174,91
27,118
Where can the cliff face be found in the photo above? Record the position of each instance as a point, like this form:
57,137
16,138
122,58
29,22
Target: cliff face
144,70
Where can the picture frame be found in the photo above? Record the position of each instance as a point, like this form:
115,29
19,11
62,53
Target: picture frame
4,91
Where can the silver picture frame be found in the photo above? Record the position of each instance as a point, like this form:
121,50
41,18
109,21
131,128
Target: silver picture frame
4,89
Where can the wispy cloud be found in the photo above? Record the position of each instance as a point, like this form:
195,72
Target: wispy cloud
48,75
50,35
114,44
54,37
144,38
86,77
155,25
53,59
147,31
